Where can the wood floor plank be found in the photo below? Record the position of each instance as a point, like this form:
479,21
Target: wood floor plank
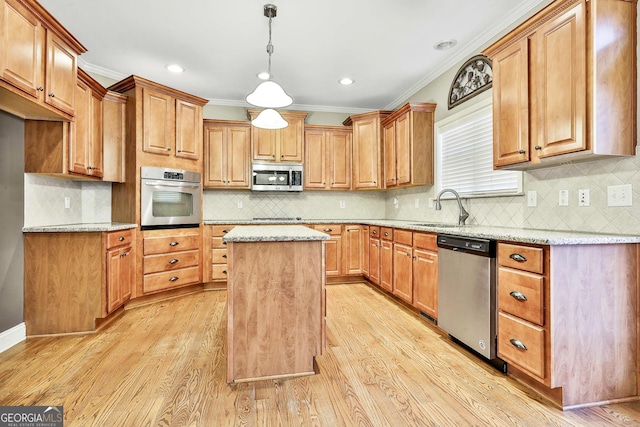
165,364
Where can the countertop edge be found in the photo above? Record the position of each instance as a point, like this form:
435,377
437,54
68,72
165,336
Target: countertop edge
79,228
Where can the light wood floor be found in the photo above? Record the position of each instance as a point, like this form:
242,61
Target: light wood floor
165,364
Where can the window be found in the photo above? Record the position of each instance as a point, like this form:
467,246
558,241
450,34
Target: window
465,147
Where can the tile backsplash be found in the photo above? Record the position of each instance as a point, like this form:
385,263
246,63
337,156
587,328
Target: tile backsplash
44,201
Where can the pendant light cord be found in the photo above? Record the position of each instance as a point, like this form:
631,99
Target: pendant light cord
269,48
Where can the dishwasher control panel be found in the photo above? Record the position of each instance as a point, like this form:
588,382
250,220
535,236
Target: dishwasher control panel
467,244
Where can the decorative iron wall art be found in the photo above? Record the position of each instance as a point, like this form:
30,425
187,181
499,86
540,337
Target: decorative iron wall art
474,77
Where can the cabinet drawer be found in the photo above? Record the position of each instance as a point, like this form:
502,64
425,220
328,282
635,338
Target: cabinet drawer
332,229
403,237
511,331
386,233
219,272
220,230
119,238
219,256
425,241
521,294
521,257
374,231
170,279
172,261
161,245
216,242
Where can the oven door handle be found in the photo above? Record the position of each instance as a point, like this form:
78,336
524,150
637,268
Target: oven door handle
171,184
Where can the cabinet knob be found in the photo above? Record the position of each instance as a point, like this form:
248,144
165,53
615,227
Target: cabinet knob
273,156
121,238
408,254
282,156
168,148
173,278
374,232
40,89
124,254
415,257
174,243
521,151
173,261
518,344
52,95
518,295
537,147
386,233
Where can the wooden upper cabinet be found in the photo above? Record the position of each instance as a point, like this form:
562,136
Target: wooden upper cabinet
562,90
158,111
408,145
368,154
38,62
188,129
327,158
227,154
279,145
113,136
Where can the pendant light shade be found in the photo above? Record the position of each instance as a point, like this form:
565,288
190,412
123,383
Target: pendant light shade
269,119
269,94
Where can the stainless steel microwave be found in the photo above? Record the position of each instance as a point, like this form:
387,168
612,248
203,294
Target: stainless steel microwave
276,177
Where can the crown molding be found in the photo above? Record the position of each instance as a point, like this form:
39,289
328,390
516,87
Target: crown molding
295,107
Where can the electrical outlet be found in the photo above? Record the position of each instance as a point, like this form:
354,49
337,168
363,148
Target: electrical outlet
342,204
532,198
619,195
240,204
563,198
67,202
583,197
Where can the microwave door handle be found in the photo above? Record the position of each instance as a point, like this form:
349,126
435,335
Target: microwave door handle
171,184
290,177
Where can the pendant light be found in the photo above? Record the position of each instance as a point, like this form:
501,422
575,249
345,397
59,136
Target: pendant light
269,94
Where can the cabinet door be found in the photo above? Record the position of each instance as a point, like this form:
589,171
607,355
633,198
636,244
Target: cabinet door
80,133
365,250
291,137
386,265
389,135
61,72
352,250
339,159
560,78
374,260
95,154
216,156
113,137
425,282
333,256
403,272
158,122
238,165
511,105
127,273
188,130
315,160
113,280
403,149
366,154
21,47
264,144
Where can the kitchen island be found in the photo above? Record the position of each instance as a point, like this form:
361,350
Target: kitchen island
276,301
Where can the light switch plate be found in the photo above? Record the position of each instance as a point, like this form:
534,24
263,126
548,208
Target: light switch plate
620,195
532,198
563,198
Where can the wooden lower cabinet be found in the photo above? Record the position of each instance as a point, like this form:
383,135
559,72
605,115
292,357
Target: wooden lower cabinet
333,248
403,265
425,274
386,265
215,253
352,250
365,251
171,259
374,255
73,279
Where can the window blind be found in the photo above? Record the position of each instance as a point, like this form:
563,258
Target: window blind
466,158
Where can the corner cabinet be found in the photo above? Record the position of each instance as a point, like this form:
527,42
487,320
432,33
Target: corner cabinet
368,151
279,145
227,149
38,62
75,280
327,164
408,145
562,91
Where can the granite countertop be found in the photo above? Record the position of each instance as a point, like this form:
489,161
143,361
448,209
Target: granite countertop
523,235
78,228
273,233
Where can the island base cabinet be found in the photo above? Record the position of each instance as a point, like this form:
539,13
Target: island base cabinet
276,309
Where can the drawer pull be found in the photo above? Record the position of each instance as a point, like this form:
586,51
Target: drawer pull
374,232
226,231
173,278
518,344
173,261
518,295
224,256
174,243
518,257
328,230
224,271
386,233
121,238
124,254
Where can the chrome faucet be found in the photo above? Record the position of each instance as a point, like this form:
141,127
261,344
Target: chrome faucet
463,213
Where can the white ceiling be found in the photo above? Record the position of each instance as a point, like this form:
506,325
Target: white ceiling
386,46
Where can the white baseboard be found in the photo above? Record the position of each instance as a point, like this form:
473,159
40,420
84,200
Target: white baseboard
12,336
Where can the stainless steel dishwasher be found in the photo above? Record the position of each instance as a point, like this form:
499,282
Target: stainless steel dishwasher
467,295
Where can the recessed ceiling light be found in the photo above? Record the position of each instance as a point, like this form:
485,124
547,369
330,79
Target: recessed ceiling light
445,44
174,68
346,81
263,75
